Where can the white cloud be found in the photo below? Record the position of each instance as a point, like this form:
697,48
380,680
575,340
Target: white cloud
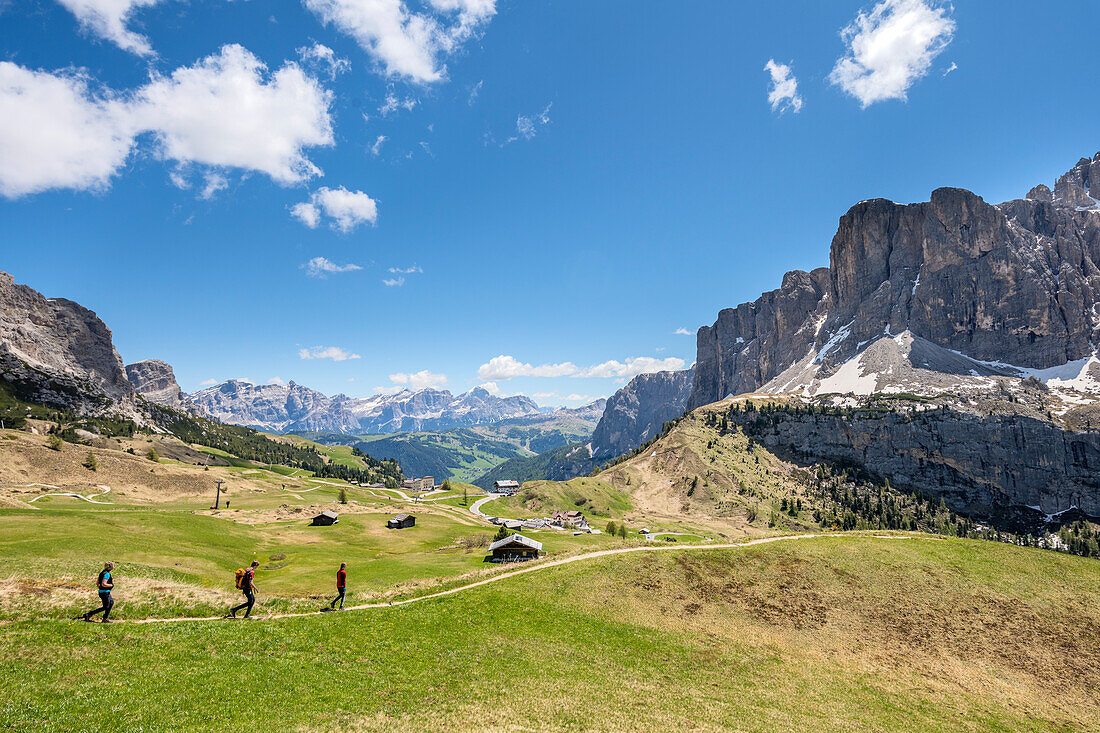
208,382
491,387
55,132
631,367
950,68
406,270
223,112
783,94
474,93
306,213
377,147
683,332
214,182
890,48
419,380
320,267
528,126
405,43
321,58
276,380
326,352
347,209
391,104
508,367
394,282
108,19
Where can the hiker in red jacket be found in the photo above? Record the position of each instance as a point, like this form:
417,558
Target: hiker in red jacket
248,587
341,586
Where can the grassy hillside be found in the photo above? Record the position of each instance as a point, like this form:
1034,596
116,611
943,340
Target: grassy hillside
462,454
827,634
557,464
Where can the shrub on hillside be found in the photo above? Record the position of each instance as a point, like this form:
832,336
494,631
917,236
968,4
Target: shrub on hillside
151,454
54,442
90,462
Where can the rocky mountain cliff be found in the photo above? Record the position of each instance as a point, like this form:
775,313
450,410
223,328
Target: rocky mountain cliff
54,351
1011,288
294,408
154,380
636,412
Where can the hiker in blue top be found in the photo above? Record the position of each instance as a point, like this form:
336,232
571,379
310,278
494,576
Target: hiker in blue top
105,583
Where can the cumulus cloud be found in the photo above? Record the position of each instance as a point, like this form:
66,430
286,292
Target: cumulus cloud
632,367
108,20
491,387
508,367
276,380
326,352
783,93
419,380
394,282
320,267
347,209
226,111
208,382
56,131
683,332
323,59
890,48
406,43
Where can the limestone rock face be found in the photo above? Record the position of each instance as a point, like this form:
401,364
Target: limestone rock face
636,412
57,352
1015,283
978,463
154,380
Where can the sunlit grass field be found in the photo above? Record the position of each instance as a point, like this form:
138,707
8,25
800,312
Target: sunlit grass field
825,634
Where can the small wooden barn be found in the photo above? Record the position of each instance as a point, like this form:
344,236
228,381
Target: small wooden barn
515,547
325,519
401,521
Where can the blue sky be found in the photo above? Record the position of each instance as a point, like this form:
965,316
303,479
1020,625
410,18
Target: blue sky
550,189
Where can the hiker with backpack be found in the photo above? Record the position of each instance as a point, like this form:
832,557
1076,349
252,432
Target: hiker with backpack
104,584
245,581
341,586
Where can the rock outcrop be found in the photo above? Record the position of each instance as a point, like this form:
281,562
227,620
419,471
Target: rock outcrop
1015,284
978,463
154,380
294,408
56,352
636,412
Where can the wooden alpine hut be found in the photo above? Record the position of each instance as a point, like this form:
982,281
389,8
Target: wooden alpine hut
514,548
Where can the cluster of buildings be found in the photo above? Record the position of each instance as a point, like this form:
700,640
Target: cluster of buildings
424,483
558,520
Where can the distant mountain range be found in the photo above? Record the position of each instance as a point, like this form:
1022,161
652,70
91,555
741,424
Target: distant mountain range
292,407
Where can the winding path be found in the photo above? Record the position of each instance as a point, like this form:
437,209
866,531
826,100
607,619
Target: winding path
90,498
536,566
